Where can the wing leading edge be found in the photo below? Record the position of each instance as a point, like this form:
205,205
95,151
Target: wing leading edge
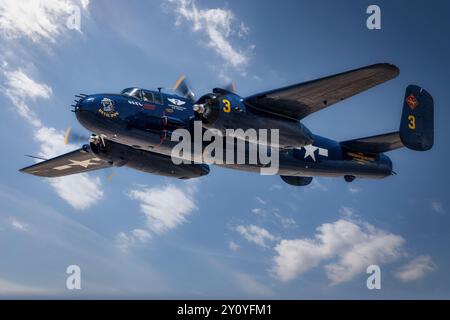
78,161
300,100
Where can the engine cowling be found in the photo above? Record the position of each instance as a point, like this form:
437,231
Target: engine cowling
225,111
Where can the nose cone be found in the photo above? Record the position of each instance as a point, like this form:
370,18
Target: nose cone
85,104
85,111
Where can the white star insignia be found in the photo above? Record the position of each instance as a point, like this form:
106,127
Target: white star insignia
309,151
84,164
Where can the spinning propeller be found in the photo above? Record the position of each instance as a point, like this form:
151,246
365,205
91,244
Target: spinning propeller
73,136
183,88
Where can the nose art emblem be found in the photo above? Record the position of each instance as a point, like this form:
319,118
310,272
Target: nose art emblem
108,109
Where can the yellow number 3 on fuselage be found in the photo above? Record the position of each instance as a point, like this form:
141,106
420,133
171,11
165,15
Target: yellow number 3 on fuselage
227,105
412,122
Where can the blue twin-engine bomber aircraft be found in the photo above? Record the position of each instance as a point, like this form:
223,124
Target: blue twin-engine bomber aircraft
134,129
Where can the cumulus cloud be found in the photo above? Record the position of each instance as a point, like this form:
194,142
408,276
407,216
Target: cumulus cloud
349,246
218,25
164,207
80,191
416,269
37,20
255,234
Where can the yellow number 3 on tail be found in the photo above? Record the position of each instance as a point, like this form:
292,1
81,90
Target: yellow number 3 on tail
412,122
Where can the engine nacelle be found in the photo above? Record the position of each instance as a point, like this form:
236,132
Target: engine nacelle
146,161
225,111
297,181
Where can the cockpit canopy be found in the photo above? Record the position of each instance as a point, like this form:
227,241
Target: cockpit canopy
144,95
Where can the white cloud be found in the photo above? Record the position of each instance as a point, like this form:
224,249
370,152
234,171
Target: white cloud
347,211
251,286
275,187
136,236
165,207
354,245
142,235
219,25
437,206
354,190
18,225
258,211
233,246
21,85
416,269
255,234
316,185
43,21
261,201
286,222
80,191
38,20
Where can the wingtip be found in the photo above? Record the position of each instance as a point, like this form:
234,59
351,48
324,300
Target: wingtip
390,67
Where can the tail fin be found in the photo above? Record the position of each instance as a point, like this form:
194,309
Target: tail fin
416,127
417,124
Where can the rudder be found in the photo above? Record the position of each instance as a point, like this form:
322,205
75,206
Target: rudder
417,123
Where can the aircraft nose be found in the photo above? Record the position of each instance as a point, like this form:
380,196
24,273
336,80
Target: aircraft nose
84,102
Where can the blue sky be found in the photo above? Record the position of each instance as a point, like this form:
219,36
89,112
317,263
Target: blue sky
229,234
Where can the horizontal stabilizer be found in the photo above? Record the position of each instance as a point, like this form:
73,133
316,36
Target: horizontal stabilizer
375,144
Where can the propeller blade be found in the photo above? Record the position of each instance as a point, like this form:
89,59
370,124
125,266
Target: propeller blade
182,86
230,87
72,136
110,174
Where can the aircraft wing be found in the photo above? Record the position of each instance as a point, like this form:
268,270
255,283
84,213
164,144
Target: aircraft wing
78,161
300,100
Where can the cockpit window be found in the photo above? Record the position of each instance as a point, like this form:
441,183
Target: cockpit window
158,98
147,96
133,92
